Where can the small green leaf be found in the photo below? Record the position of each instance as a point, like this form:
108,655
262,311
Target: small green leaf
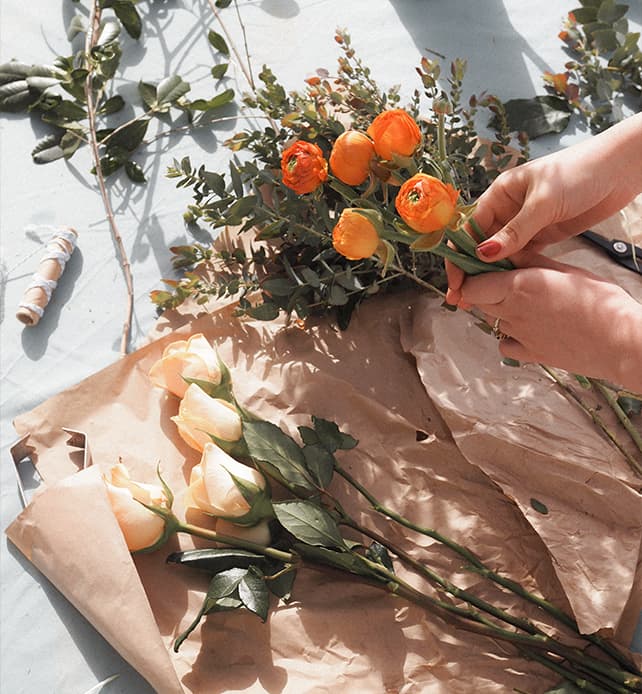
130,136
539,506
538,116
147,92
320,463
223,3
134,172
331,437
170,89
216,560
112,105
109,32
254,594
610,12
128,15
47,150
379,553
337,296
265,311
269,445
218,42
309,523
278,286
218,71
281,586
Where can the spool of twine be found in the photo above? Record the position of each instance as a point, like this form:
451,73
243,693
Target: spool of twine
38,294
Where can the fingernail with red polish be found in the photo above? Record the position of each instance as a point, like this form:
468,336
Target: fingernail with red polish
489,248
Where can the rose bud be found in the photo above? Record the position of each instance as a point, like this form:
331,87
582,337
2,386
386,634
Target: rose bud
200,415
259,533
351,156
192,358
303,166
355,234
426,204
141,527
395,134
212,487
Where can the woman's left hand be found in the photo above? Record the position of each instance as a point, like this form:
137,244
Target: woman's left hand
562,316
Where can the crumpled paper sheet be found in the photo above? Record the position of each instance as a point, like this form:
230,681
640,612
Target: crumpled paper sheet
377,381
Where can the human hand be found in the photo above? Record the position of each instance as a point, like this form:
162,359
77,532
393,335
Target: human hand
562,316
557,196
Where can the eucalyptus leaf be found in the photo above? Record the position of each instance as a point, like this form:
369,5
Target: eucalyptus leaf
215,102
47,149
170,89
537,116
223,3
16,96
128,15
265,311
378,553
111,105
134,172
309,523
218,42
109,31
147,93
218,71
131,135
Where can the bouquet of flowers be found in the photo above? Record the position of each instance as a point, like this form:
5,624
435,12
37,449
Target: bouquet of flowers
270,505
344,192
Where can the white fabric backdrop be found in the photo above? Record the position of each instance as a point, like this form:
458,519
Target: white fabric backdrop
46,646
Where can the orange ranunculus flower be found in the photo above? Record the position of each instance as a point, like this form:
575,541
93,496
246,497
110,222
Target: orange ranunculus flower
351,156
303,166
355,236
394,133
426,204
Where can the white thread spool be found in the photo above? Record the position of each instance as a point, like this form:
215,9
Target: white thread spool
37,295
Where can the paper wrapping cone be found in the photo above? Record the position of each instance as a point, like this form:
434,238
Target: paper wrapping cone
337,634
65,534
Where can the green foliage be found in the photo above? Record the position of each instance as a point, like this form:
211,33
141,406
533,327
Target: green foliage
603,75
59,94
291,267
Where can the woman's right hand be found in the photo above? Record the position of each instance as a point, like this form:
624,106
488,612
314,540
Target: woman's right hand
557,196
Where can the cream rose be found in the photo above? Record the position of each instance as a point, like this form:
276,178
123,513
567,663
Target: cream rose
192,358
200,415
211,487
141,527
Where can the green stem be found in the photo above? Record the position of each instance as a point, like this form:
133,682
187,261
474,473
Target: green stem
478,567
473,621
619,412
287,557
597,420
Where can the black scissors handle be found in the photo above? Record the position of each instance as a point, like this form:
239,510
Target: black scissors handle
626,254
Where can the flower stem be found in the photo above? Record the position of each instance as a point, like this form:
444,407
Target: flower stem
590,411
273,553
475,565
619,412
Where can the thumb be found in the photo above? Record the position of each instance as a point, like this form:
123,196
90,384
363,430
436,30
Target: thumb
511,238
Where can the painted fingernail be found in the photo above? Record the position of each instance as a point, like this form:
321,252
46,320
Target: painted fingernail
489,248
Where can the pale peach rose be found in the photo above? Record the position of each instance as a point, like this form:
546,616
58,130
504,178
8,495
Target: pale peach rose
200,415
141,527
192,358
211,487
259,534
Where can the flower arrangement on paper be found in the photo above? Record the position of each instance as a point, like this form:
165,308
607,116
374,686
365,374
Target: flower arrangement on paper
273,506
346,192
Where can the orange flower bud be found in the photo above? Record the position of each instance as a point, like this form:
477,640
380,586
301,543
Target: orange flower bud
303,166
425,203
351,156
355,236
394,133
559,81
